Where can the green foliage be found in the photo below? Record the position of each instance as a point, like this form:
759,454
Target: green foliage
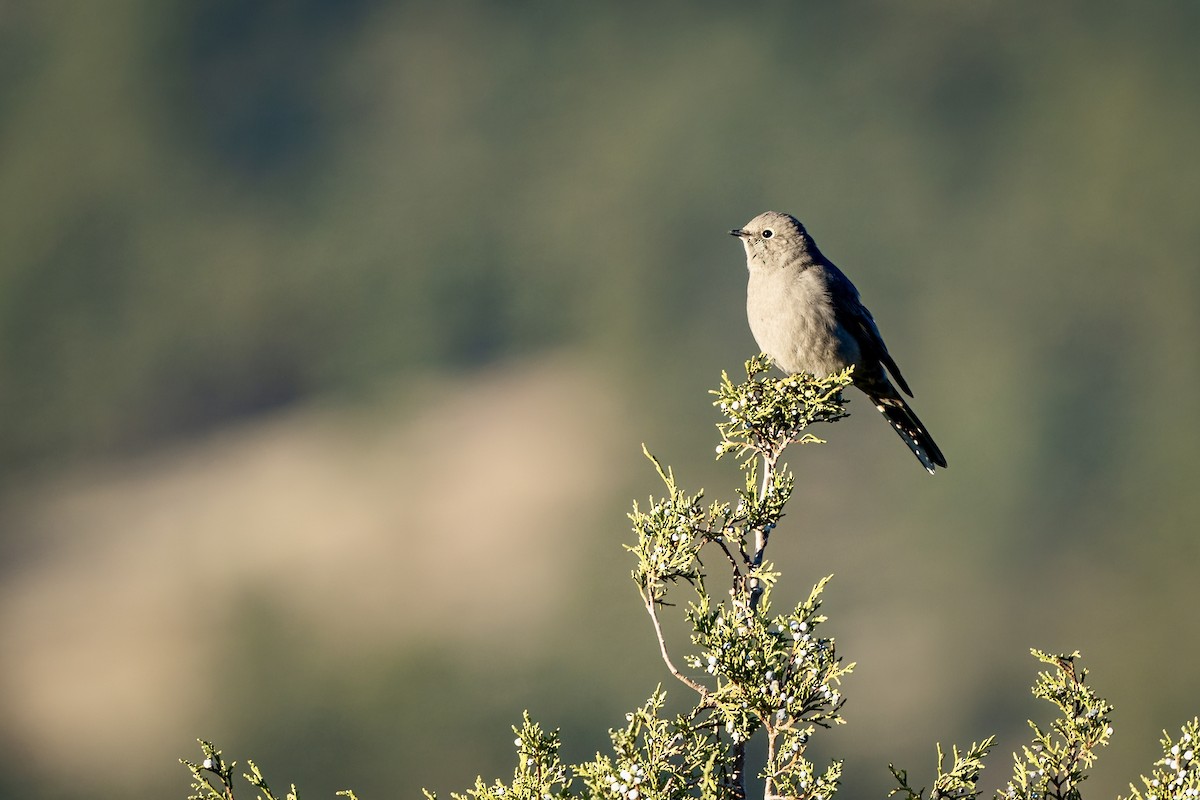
765,415
1178,773
670,534
1055,763
754,672
539,772
768,670
215,767
959,782
659,759
751,671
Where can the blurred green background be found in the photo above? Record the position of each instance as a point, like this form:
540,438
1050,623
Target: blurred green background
329,332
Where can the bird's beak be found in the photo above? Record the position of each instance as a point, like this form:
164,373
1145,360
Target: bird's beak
738,232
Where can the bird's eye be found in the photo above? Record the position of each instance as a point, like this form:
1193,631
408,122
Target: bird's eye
768,233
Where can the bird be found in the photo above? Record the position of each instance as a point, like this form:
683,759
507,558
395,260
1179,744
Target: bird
807,316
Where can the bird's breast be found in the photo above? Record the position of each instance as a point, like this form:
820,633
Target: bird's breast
794,322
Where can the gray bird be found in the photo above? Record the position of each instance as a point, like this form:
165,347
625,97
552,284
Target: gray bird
806,315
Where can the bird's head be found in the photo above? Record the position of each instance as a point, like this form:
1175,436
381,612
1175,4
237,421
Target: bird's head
773,239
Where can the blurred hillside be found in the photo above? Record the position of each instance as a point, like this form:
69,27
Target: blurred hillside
329,332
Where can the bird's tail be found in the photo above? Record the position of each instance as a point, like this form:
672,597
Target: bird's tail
906,423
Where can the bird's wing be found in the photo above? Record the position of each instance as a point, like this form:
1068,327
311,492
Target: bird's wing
857,319
870,333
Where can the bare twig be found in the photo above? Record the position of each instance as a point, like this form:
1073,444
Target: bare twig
651,609
737,572
769,782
